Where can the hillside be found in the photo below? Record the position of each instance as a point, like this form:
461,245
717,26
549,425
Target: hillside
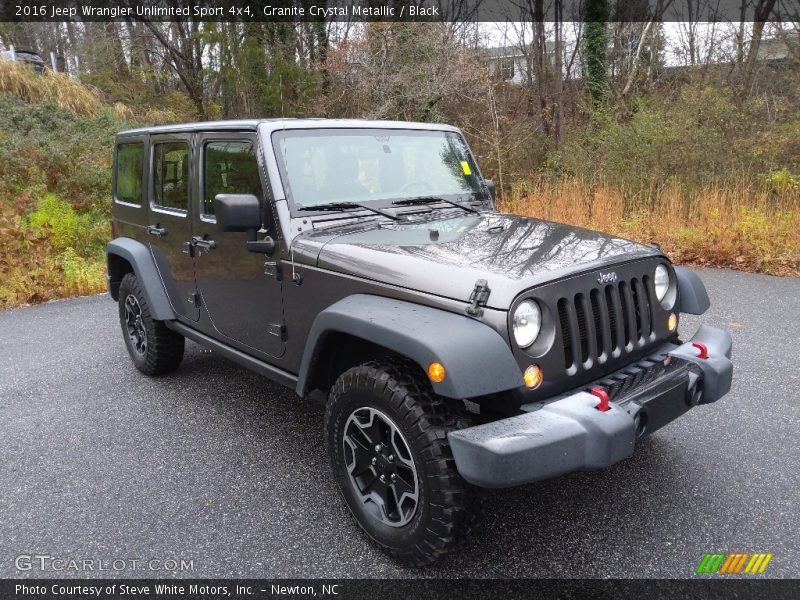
55,177
56,141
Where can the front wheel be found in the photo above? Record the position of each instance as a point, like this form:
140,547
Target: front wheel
387,443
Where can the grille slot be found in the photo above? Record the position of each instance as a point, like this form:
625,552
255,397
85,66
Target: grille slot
605,322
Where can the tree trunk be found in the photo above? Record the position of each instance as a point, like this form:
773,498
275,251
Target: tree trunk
558,76
637,59
762,12
595,51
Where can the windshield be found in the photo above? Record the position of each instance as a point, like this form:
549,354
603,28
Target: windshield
321,166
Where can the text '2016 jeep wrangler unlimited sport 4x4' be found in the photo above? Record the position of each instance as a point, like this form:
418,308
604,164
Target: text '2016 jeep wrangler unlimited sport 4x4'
364,262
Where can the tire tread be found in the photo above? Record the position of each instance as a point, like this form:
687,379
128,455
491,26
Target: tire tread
164,346
454,504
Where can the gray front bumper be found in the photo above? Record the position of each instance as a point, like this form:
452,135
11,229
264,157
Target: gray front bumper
570,434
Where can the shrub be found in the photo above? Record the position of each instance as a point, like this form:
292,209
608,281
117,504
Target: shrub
67,229
82,276
782,181
699,136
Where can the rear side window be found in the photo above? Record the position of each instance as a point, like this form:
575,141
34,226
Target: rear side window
130,164
229,168
171,175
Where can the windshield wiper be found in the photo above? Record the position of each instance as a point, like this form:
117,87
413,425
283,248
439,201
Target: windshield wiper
431,200
346,205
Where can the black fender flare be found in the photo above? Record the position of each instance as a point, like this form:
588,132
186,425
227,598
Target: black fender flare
477,360
692,294
144,267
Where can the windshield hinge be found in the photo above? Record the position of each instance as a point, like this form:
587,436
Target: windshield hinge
478,298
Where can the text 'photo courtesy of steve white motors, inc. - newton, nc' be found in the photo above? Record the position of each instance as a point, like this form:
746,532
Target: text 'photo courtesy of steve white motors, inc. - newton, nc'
240,10
174,590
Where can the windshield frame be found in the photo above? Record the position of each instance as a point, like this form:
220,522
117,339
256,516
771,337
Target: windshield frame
483,196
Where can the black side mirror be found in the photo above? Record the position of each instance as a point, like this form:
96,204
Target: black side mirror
238,212
492,192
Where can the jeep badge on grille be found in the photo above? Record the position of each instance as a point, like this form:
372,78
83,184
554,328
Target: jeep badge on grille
607,277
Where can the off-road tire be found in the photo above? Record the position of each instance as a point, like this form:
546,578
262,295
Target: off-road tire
448,507
163,348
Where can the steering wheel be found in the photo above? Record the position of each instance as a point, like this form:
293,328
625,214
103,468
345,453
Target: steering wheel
421,184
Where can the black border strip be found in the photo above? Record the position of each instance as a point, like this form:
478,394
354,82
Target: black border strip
391,10
710,588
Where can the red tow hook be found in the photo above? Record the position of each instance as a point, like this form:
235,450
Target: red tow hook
702,348
603,395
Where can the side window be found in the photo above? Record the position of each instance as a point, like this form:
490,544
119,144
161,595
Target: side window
171,175
229,168
130,164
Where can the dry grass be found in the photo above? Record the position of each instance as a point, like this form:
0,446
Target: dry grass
744,226
124,112
66,93
58,88
152,116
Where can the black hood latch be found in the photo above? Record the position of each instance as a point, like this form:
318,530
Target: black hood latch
478,298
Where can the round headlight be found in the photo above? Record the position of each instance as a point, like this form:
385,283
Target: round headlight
661,282
527,323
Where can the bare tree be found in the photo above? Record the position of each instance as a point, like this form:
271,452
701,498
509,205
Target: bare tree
183,44
648,33
763,10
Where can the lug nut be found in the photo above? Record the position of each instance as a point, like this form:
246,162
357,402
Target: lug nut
391,457
374,461
394,477
377,448
383,478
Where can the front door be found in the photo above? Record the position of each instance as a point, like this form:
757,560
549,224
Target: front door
239,289
170,219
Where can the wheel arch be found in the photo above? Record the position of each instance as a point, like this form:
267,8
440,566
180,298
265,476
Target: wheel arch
692,294
476,358
126,255
345,351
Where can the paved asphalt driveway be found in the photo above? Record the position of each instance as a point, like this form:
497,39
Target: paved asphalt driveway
216,465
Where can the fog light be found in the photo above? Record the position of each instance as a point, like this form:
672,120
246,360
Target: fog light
672,322
533,377
436,372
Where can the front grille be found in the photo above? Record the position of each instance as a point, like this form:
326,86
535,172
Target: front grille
605,322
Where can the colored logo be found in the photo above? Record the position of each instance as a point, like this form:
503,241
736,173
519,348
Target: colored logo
734,563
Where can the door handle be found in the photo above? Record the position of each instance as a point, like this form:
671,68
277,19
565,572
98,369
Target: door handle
199,242
156,230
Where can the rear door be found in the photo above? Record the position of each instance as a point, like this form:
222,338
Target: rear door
172,191
239,289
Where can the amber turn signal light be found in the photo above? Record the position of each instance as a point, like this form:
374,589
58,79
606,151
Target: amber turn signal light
672,321
436,372
533,377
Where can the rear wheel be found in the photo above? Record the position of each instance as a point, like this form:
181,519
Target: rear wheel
154,349
387,443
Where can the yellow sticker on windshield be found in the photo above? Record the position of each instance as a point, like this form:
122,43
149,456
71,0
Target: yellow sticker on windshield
465,168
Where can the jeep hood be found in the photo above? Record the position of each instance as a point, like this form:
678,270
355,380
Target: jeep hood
446,254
